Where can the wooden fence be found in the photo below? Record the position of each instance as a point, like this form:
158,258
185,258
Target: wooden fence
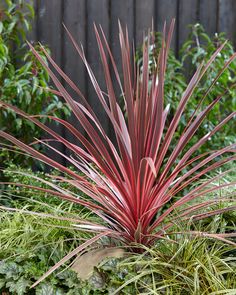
79,16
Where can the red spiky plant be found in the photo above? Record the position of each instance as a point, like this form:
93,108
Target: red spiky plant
128,183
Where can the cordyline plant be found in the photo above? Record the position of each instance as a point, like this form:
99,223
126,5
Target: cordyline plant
132,184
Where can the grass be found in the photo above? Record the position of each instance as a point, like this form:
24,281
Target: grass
29,228
191,266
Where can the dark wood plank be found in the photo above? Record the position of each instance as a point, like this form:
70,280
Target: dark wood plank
49,32
188,14
97,12
144,15
74,17
79,15
50,26
227,19
122,10
208,15
166,10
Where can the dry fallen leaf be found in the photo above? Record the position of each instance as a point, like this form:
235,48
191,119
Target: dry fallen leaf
84,265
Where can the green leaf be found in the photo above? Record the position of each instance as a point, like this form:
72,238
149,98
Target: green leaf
35,84
2,283
31,9
10,270
1,27
27,24
19,287
11,27
18,122
46,289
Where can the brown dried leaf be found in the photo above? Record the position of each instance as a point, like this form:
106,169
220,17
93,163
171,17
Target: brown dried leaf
84,265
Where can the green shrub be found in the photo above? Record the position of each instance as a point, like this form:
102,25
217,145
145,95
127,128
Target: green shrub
23,81
198,48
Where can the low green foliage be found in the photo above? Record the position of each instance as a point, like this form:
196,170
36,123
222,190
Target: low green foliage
191,266
18,274
182,265
15,196
30,244
21,233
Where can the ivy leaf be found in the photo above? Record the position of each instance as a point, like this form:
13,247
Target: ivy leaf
97,280
10,270
19,287
2,283
69,278
47,289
